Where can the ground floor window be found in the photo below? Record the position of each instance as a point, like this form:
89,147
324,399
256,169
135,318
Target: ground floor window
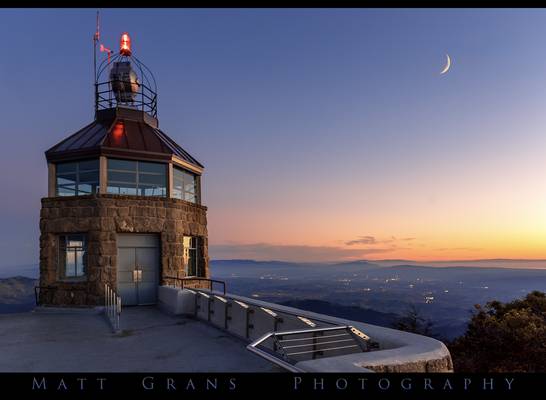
72,256
192,256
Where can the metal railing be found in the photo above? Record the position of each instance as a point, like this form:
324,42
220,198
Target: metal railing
107,88
183,282
284,348
289,347
112,307
49,292
145,98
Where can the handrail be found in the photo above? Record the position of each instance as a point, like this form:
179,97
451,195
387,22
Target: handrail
283,360
195,278
145,97
112,307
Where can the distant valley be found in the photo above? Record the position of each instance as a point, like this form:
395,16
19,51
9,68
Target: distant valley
375,292
445,294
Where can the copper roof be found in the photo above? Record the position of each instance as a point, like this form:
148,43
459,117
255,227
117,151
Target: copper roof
120,132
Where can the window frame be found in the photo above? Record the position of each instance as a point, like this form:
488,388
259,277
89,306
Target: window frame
78,181
62,253
198,257
195,194
138,186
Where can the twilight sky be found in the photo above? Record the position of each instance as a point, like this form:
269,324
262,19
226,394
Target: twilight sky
325,134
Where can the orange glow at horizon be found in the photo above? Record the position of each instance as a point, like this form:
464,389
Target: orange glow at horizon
465,218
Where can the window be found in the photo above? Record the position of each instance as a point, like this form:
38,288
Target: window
77,178
184,185
137,178
192,256
72,262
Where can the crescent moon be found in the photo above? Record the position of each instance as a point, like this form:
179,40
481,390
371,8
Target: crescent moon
446,68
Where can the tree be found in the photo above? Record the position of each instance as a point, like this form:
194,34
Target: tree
500,337
414,322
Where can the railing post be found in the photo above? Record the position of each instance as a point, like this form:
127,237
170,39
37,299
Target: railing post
249,326
314,345
112,307
226,313
275,341
105,297
196,303
118,312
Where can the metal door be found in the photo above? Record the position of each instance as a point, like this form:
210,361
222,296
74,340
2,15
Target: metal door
138,268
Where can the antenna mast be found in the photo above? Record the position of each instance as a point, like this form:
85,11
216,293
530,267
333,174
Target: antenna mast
96,38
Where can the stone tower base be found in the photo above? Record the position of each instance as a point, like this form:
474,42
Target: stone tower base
101,217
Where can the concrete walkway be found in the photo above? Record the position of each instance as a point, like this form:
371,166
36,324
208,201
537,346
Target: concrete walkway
152,342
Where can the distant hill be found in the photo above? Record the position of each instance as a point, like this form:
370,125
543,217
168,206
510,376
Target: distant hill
485,263
29,271
252,263
254,269
353,313
16,294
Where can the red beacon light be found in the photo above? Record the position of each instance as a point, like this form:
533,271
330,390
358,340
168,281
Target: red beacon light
125,45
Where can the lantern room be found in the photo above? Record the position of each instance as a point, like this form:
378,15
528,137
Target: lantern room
124,206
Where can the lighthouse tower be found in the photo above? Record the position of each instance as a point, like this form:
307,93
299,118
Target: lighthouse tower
123,209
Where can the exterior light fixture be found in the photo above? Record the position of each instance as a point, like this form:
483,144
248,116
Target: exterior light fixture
125,45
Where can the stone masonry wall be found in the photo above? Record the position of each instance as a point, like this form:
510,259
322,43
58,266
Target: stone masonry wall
101,217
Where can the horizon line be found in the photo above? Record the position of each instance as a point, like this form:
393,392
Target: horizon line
390,260
344,261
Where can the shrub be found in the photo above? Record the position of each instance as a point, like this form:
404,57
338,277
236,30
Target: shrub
504,337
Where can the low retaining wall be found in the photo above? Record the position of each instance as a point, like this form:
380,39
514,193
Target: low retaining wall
250,319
